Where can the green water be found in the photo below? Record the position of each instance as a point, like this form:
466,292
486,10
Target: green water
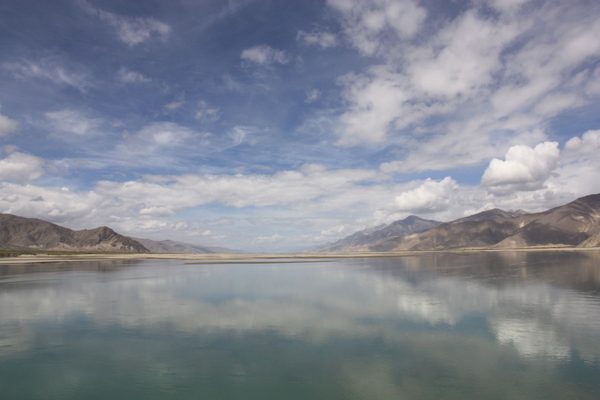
478,326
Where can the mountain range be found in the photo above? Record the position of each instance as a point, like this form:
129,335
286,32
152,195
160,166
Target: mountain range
19,233
574,224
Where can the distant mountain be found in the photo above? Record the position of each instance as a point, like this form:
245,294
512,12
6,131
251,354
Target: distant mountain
170,246
18,233
568,225
360,241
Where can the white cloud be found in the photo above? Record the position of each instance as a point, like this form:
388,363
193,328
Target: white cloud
7,125
206,112
131,31
269,239
524,168
312,96
455,98
239,135
588,143
428,198
321,39
264,55
367,23
51,69
73,121
22,168
160,212
127,76
172,106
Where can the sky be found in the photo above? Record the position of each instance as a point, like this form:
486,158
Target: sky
277,126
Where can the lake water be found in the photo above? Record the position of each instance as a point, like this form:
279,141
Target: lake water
446,326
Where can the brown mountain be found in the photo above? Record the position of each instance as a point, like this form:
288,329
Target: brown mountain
18,233
360,241
567,225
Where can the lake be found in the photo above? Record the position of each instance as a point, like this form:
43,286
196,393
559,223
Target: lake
505,325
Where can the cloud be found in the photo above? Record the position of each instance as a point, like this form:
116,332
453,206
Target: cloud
312,96
73,122
172,106
239,135
7,125
322,39
429,197
588,143
131,31
524,168
127,76
207,113
453,98
269,239
21,168
160,212
49,68
264,55
368,24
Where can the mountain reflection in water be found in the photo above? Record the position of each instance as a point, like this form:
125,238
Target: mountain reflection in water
469,325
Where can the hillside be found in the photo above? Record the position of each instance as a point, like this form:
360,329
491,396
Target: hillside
18,233
568,225
360,241
171,246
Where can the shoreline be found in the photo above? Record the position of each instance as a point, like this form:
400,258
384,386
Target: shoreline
57,258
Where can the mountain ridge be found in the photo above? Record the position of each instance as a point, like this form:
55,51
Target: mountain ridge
573,224
20,233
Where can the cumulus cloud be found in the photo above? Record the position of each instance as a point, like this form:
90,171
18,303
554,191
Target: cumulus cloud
427,198
524,168
588,143
131,31
264,55
21,168
321,39
7,125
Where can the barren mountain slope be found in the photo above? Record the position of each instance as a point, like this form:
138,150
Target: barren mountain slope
18,233
570,225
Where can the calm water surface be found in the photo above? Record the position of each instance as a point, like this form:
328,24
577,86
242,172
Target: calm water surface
477,326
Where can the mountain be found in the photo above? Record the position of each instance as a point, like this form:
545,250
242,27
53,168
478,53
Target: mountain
568,225
360,241
18,233
171,246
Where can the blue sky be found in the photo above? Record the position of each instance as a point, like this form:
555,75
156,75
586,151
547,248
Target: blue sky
281,125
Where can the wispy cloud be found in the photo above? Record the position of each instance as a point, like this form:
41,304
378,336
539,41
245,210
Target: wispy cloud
7,125
51,69
127,76
131,31
317,38
264,55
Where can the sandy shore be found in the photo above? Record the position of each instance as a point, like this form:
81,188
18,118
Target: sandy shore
45,258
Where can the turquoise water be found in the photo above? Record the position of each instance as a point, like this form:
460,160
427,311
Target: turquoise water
477,326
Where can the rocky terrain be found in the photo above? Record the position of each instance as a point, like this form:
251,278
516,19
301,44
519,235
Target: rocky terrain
574,224
18,233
